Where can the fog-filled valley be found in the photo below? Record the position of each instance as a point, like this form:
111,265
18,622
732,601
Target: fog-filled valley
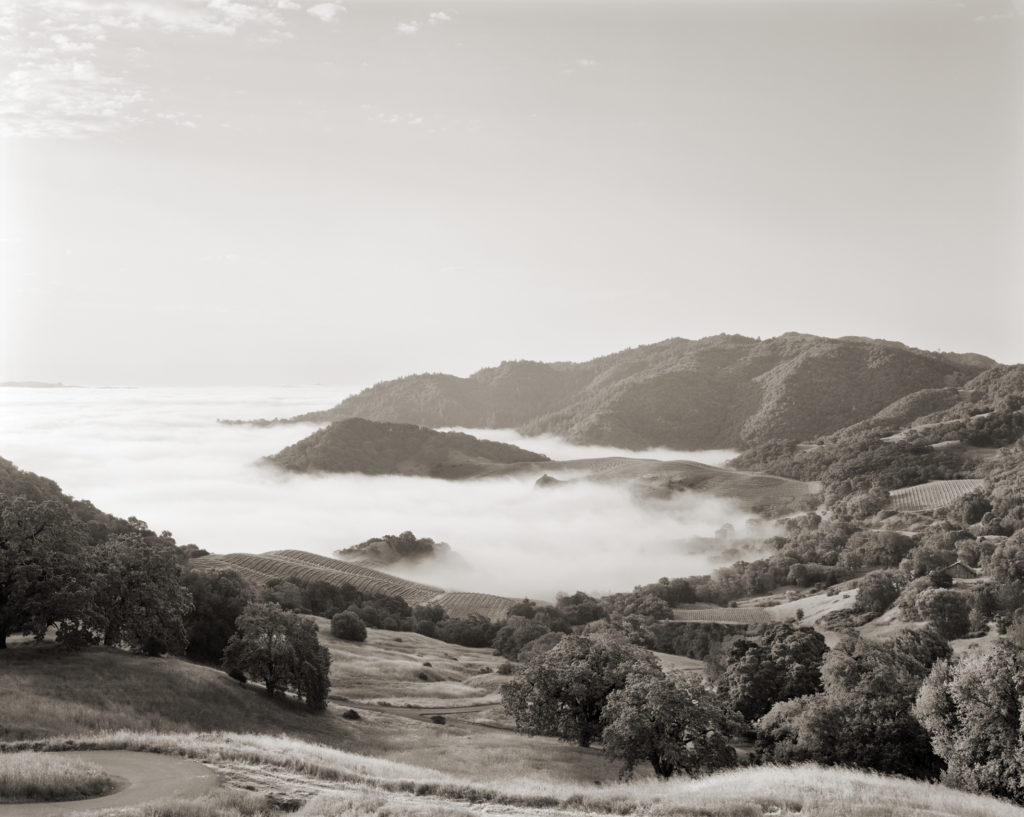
160,455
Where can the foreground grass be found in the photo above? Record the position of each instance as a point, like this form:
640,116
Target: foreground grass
27,777
355,785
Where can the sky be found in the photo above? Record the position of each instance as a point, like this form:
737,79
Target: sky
291,191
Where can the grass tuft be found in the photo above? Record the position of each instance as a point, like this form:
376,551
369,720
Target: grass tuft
36,777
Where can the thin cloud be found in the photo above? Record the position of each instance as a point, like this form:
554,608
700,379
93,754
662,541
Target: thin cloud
408,28
59,83
438,17
64,98
324,11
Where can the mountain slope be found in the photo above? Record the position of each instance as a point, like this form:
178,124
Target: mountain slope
723,391
362,446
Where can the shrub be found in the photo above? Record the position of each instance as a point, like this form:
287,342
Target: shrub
351,715
348,626
948,610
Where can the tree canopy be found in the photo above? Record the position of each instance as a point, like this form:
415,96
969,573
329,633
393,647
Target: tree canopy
678,724
562,692
281,650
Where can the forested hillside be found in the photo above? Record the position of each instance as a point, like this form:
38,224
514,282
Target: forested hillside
361,446
722,391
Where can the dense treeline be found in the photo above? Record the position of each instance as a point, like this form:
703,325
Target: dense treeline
92,578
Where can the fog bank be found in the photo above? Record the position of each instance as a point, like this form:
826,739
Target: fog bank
158,454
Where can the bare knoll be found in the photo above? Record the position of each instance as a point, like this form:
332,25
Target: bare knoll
360,446
298,564
726,391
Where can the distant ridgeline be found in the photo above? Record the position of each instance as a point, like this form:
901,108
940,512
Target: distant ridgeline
727,391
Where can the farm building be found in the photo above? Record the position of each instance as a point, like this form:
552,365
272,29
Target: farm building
958,570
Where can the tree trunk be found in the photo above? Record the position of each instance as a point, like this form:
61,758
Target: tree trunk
662,768
3,641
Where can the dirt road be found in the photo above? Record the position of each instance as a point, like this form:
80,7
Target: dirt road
143,777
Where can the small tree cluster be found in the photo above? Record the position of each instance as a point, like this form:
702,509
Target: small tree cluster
281,650
585,689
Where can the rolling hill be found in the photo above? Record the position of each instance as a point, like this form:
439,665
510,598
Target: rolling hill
726,391
297,564
362,446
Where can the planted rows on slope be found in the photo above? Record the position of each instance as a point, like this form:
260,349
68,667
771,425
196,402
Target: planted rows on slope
724,615
463,605
932,495
298,564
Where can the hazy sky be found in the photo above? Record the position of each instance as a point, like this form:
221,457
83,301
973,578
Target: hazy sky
294,191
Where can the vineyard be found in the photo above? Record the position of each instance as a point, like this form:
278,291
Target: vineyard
298,564
931,495
724,615
462,605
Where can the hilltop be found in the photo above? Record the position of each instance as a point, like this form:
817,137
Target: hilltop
402,550
727,391
361,446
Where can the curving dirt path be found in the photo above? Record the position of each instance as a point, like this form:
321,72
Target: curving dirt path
143,777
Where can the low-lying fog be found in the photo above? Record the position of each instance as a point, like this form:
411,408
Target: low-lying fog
158,454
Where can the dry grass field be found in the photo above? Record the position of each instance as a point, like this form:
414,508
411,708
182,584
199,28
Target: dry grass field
45,777
324,782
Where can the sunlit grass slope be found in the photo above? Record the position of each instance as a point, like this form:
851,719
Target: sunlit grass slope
334,782
46,694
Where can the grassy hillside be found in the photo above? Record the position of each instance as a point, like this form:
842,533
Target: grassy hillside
723,391
49,695
362,446
298,564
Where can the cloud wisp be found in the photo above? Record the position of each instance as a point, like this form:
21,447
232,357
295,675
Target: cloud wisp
159,454
67,63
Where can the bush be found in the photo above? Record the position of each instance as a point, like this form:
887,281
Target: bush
348,626
351,715
948,610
